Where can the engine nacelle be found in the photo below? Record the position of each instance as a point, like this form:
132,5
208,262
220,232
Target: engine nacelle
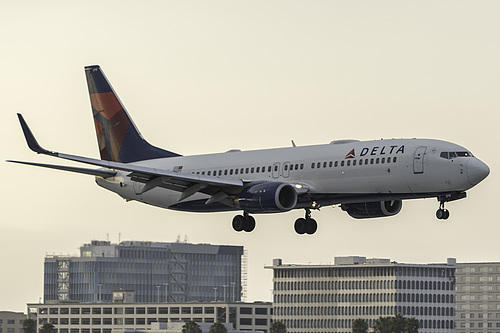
366,210
271,197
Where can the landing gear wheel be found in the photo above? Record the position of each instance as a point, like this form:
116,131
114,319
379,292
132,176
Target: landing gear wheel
249,223
300,226
442,213
306,225
243,222
311,227
238,223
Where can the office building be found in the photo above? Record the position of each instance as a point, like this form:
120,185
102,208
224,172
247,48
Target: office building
154,271
11,322
478,297
328,298
108,317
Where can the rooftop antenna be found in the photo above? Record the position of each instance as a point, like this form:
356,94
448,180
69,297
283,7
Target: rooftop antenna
293,144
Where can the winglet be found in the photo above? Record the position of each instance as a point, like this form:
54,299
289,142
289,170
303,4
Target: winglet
30,138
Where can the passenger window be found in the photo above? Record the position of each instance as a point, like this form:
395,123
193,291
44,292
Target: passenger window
354,162
394,159
275,168
235,171
342,163
231,171
312,165
318,165
348,162
371,161
208,173
203,173
242,171
330,164
269,169
301,166
383,160
257,170
286,167
324,165
366,161
336,163
246,170
377,160
263,169
360,162
220,172
225,172
251,170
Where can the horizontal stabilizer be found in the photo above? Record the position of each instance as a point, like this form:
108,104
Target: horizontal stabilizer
86,171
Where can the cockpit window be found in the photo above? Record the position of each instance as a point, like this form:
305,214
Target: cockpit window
452,154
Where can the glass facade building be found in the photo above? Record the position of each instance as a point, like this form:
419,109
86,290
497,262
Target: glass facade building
155,271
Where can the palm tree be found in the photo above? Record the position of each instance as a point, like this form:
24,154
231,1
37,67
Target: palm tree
412,325
382,325
278,327
398,323
29,326
48,328
217,327
191,327
359,326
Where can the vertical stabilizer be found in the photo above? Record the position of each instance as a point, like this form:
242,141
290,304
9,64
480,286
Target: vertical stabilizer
118,138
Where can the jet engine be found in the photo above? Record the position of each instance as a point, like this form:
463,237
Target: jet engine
269,197
366,210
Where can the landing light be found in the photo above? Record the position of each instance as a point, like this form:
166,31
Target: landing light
298,186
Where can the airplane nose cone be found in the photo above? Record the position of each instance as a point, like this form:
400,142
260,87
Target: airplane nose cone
476,171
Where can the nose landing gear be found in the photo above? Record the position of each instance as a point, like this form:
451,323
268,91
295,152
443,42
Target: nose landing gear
306,225
442,213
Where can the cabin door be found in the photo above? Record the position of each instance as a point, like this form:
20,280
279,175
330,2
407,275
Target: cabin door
418,160
276,170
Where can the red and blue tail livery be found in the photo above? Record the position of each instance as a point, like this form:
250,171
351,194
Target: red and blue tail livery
118,138
370,181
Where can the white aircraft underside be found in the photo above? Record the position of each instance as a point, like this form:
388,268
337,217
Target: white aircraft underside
367,178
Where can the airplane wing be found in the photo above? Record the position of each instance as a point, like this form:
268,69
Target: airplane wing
187,184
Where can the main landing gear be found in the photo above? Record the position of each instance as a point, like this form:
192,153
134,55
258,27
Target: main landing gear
306,225
442,213
243,222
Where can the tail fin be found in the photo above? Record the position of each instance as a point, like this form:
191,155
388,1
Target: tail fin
118,138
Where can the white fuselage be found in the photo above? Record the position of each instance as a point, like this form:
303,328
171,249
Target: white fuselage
344,171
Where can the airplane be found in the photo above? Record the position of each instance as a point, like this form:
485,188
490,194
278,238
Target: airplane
368,179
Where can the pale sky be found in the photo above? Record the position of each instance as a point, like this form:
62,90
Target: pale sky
209,76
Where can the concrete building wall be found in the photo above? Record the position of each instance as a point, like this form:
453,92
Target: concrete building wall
106,317
328,298
11,322
478,297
